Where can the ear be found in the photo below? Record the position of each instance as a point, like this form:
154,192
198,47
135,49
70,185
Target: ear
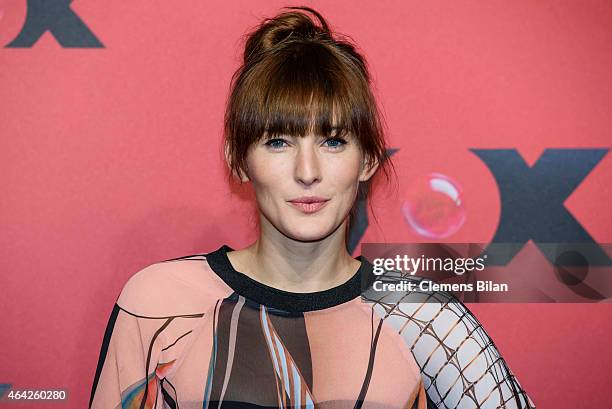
243,177
369,166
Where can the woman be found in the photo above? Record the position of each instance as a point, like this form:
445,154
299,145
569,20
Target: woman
280,323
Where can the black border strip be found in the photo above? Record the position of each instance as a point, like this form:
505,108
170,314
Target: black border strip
285,300
110,326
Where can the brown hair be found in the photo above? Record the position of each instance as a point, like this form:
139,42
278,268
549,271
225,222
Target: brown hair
297,76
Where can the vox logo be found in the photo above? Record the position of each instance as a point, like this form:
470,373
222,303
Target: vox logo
57,17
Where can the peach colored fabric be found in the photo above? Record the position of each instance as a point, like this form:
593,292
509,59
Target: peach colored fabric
162,347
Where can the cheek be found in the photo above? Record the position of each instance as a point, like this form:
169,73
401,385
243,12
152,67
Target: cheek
268,178
345,174
260,171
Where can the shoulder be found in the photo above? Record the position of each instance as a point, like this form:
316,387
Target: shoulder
181,286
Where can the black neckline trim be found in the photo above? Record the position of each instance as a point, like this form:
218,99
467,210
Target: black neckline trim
281,299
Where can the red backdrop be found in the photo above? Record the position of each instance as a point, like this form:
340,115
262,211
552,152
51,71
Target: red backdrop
111,159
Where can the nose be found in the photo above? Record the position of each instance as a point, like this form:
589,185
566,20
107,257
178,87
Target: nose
307,166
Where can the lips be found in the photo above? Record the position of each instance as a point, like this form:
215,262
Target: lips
309,199
310,204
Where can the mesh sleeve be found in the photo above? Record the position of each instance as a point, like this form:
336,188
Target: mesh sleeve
460,365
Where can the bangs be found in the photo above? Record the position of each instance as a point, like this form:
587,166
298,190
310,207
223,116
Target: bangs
303,89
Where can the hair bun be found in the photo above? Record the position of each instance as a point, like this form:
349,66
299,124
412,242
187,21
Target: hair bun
291,25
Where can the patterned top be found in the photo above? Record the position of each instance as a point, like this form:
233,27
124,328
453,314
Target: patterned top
193,333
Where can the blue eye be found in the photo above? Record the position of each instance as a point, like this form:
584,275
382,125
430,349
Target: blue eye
275,143
336,142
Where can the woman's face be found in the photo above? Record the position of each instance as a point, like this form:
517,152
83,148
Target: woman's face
285,170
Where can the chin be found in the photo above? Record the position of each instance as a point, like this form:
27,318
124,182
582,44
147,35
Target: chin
302,231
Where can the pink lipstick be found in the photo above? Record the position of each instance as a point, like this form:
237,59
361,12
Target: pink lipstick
309,204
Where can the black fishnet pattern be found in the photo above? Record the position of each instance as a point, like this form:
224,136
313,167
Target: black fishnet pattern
460,365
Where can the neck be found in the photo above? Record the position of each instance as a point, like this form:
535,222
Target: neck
279,262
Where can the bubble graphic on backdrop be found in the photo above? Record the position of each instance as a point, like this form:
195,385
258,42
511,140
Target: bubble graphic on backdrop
433,206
